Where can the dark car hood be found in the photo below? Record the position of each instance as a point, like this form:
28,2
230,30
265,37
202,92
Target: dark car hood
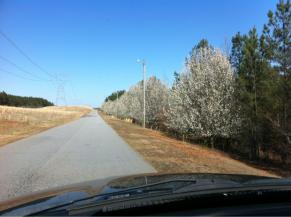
57,196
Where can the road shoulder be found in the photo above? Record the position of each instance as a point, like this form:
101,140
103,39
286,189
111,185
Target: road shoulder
170,155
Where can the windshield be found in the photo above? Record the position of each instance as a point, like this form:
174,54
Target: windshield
99,90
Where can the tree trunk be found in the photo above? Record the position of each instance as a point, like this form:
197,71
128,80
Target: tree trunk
212,142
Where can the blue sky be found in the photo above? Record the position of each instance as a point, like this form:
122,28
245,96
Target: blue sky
94,44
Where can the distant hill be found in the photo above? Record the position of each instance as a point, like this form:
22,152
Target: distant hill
23,101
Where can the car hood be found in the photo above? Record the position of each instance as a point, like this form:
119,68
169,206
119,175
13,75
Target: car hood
57,196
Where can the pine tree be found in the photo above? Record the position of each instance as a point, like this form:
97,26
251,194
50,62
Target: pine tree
277,48
236,51
256,85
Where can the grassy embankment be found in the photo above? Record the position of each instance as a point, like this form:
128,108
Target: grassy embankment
17,123
171,155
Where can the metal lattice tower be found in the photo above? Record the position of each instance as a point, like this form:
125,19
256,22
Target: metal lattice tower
61,94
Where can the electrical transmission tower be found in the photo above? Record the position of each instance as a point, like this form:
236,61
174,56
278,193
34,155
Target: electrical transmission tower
61,94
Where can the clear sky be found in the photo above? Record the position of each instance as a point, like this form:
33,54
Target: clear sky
94,44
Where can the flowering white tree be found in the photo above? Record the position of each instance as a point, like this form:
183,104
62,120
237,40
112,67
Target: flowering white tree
130,104
156,102
135,102
201,100
109,107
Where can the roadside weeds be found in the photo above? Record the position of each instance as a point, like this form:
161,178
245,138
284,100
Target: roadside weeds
171,156
18,123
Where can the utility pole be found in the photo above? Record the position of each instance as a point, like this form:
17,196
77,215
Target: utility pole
117,105
144,88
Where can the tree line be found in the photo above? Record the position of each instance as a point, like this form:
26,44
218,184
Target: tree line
262,67
114,95
23,101
130,104
238,102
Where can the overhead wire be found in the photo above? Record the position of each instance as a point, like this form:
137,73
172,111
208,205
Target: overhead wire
21,51
23,70
17,75
53,77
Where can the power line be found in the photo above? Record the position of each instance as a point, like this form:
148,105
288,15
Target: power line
61,96
16,75
24,54
59,82
23,70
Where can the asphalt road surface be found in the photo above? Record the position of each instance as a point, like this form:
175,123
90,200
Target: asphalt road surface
83,150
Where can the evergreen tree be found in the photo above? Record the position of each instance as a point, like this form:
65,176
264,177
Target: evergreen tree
203,43
115,95
22,101
236,51
277,48
256,86
4,98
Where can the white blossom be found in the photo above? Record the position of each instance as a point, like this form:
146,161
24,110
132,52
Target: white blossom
201,102
130,104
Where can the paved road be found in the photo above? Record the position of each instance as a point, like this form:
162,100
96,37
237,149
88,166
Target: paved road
82,150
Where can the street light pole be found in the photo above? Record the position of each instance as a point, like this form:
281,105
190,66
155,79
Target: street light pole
144,89
117,105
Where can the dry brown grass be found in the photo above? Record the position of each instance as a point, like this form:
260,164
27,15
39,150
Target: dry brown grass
17,123
171,155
